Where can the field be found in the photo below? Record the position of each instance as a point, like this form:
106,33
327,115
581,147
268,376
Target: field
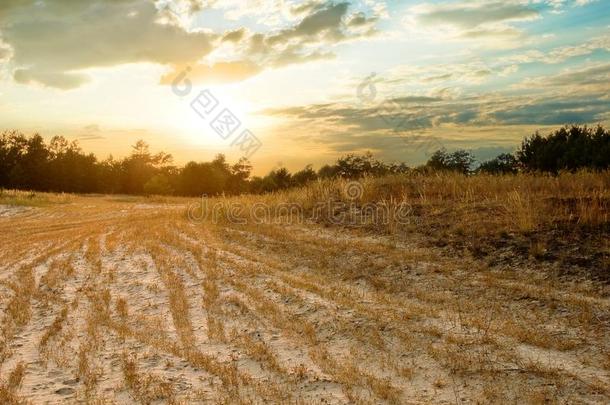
486,290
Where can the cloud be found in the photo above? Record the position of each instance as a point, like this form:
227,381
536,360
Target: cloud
592,78
307,7
326,23
561,53
59,80
385,124
474,20
397,115
326,20
445,74
556,112
558,6
320,25
91,132
98,33
235,35
81,35
470,15
92,128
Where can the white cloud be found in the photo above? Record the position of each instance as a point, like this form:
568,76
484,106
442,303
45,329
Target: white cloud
561,53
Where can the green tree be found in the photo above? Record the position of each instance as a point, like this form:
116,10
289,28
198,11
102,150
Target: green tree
505,163
13,145
327,172
140,167
30,171
304,176
568,148
459,161
158,184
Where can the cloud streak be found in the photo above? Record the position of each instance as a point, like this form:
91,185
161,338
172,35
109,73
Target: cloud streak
387,124
473,20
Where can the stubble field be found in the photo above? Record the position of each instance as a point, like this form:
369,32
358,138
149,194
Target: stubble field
109,299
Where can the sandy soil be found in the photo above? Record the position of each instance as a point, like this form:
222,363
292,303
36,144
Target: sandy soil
10,210
123,302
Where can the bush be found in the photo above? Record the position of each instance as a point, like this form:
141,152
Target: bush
504,163
568,148
458,161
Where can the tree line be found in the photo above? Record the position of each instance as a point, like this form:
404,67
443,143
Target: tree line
569,148
28,163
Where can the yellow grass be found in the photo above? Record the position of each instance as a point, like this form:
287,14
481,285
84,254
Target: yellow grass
481,203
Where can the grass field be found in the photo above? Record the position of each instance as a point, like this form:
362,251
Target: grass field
488,290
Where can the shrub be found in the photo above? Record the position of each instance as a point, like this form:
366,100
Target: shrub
458,161
504,163
568,148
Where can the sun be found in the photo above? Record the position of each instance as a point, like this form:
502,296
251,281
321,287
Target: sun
210,118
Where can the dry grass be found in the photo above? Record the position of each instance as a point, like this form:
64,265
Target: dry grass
8,390
31,198
504,219
145,388
125,300
507,203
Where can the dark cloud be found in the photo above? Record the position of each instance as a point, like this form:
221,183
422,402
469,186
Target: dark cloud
400,114
415,99
323,24
470,15
326,19
596,75
326,24
60,80
558,112
475,19
50,40
411,122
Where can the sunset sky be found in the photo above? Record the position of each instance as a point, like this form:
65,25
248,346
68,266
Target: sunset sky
311,80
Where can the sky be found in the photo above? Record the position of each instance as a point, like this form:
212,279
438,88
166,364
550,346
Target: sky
290,83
